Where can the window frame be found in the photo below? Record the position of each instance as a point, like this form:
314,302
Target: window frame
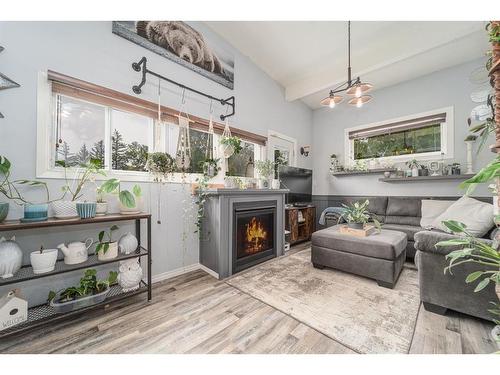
447,139
46,138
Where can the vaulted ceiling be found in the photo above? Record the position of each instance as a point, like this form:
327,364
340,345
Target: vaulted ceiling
308,57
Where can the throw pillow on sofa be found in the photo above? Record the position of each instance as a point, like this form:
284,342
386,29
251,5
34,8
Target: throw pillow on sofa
431,209
476,215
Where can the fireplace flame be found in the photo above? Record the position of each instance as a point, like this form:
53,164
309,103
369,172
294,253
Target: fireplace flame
256,235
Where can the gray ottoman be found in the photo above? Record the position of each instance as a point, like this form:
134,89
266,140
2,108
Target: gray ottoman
380,256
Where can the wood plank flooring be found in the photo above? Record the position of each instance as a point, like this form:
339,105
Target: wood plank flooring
195,313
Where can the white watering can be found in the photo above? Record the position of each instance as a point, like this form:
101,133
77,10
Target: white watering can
76,252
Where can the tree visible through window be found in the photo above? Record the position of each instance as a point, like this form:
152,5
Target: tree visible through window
412,141
242,164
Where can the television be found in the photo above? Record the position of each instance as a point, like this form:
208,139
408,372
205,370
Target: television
299,182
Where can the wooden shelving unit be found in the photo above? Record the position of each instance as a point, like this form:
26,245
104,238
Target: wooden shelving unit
300,231
426,178
44,314
358,173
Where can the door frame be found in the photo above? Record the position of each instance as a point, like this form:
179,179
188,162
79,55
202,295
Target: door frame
274,134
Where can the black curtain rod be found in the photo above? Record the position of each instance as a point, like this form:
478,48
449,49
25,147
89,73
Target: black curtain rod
141,66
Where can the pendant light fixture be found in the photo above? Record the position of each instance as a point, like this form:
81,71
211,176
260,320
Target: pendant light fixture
354,87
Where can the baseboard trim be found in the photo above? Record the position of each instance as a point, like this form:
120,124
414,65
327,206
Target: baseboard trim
182,270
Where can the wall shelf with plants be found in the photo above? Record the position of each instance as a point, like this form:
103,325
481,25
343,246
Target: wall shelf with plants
357,173
425,178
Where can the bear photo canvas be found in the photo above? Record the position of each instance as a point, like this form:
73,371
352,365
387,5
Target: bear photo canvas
184,44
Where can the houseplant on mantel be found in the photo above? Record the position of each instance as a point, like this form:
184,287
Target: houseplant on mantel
84,173
357,215
265,168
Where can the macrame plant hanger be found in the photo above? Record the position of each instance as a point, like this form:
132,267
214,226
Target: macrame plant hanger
209,154
183,152
227,150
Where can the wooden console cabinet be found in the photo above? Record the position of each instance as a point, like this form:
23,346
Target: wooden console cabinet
302,231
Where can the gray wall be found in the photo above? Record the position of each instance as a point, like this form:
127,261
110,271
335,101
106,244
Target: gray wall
89,51
450,87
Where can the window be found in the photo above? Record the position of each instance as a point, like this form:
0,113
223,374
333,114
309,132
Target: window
423,136
242,164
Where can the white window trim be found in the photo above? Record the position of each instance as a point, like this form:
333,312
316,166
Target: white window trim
447,139
46,140
275,134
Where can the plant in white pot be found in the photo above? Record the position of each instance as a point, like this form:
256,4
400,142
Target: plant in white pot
107,249
230,145
102,204
43,260
65,209
414,166
130,202
265,169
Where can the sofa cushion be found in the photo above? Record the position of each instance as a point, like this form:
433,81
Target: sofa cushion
407,206
404,220
385,245
409,230
426,241
476,215
431,209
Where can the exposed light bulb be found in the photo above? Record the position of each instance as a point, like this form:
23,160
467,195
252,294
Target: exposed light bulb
358,92
359,103
332,103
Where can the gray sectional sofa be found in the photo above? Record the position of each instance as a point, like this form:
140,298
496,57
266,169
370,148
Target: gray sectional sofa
438,291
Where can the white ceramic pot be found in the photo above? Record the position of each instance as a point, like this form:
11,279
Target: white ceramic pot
124,210
11,257
275,184
64,209
101,208
130,274
414,172
44,261
127,243
262,184
112,252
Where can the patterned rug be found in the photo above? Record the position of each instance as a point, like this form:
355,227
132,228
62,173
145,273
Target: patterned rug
350,309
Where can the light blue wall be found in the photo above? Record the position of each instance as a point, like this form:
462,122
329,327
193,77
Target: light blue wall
450,87
89,51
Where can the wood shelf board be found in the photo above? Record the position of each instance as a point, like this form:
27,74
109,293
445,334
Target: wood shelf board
426,178
26,272
52,222
39,315
357,173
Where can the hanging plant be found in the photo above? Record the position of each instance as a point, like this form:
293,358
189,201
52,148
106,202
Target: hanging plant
161,165
230,145
210,169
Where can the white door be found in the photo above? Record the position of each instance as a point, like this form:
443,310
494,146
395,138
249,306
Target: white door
280,145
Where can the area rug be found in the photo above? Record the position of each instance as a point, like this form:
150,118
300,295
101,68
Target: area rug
350,309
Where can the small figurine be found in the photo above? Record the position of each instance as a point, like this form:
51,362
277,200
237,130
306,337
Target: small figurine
130,275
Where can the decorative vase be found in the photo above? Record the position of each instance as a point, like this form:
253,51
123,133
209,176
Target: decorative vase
86,210
11,257
64,209
124,210
130,275
275,184
128,243
4,211
414,172
112,252
261,183
101,208
43,261
35,212
270,181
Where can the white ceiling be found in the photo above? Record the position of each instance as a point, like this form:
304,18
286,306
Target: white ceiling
309,57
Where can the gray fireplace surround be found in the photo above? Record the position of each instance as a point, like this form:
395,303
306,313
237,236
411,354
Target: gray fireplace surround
217,227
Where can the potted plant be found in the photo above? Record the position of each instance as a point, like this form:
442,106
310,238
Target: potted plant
89,292
357,215
43,260
230,145
279,160
210,167
65,209
101,204
414,166
161,165
265,168
130,202
32,212
107,249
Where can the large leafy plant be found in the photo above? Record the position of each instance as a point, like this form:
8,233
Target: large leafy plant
105,238
265,168
233,141
89,285
9,188
358,213
127,198
161,165
84,173
488,173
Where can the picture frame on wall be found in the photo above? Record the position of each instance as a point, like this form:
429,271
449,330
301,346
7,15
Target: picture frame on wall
183,43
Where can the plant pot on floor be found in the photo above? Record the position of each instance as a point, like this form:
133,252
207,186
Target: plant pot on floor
43,261
4,211
111,253
64,209
101,208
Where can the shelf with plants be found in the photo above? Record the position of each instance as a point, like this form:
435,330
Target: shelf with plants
426,178
367,172
43,314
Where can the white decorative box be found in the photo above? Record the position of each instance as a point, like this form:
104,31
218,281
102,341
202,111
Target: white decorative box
13,310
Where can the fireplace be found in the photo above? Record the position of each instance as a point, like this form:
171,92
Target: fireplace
254,234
